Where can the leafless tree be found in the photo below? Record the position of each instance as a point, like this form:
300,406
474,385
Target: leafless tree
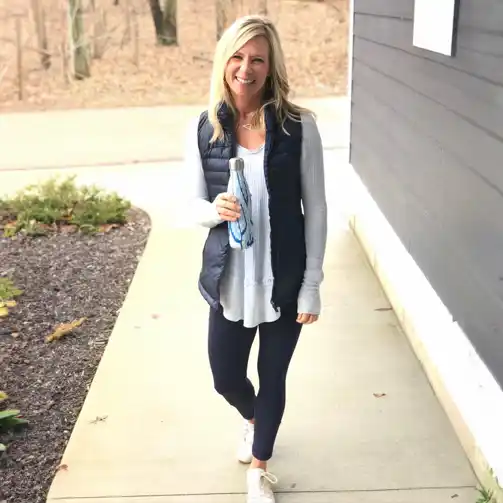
225,15
262,8
165,21
80,56
43,46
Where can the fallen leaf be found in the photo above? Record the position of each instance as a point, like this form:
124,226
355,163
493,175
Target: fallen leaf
379,395
3,311
10,303
14,335
107,227
98,419
68,229
63,329
62,467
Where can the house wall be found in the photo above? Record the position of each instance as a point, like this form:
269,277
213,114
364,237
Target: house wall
427,141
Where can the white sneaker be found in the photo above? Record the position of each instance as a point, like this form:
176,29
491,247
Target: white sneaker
259,486
245,447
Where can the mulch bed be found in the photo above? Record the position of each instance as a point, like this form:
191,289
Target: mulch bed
64,277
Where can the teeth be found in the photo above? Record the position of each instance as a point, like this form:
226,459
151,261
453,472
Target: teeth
243,81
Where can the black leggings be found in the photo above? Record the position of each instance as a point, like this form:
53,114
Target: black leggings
229,345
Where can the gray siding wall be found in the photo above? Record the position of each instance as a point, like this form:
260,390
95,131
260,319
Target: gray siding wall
427,140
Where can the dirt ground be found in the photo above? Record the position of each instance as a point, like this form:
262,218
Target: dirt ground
134,71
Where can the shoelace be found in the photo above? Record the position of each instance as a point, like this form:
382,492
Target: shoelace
269,477
263,488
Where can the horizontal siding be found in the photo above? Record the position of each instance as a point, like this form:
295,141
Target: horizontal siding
472,127
473,13
398,8
427,139
478,54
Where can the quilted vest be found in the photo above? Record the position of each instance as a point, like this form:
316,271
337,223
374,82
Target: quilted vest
282,170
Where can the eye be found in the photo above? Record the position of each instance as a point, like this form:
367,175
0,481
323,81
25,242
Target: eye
258,60
237,56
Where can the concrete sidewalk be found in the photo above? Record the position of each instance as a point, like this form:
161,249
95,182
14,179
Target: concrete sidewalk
362,424
71,138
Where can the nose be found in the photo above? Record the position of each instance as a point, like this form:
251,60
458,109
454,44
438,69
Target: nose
245,65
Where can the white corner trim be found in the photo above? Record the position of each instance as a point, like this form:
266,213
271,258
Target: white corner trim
470,395
349,84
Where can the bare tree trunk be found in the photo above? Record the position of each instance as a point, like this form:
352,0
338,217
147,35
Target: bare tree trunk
79,47
262,8
225,15
156,11
127,32
100,33
169,23
164,22
19,50
43,46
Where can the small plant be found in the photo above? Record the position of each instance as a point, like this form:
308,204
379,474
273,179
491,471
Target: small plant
485,496
40,208
7,293
10,419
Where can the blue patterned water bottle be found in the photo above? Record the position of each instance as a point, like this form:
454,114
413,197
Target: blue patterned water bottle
240,231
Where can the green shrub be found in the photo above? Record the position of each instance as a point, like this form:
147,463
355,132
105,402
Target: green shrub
39,208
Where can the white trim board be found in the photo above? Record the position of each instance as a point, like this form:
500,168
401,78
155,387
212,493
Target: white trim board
468,392
434,25
351,31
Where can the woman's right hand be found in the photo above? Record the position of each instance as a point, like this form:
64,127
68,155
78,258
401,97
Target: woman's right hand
227,207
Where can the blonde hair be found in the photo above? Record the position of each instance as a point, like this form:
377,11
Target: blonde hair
237,35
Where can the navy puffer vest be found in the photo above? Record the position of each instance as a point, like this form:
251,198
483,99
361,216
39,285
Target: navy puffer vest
282,163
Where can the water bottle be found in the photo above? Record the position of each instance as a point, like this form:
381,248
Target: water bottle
240,231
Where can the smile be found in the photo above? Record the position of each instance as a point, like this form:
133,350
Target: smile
244,81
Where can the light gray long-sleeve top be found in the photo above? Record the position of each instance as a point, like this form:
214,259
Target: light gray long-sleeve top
246,287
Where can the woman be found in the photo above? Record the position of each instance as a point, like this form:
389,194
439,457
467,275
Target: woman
274,285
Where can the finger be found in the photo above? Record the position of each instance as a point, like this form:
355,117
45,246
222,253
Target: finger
307,319
228,205
229,217
228,213
228,197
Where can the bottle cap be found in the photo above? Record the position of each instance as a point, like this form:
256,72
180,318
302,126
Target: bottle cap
236,163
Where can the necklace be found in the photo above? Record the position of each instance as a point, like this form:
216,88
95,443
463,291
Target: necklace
248,125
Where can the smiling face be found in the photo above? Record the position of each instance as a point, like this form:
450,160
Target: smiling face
248,68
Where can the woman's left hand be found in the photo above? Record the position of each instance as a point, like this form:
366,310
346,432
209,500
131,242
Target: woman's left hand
306,319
